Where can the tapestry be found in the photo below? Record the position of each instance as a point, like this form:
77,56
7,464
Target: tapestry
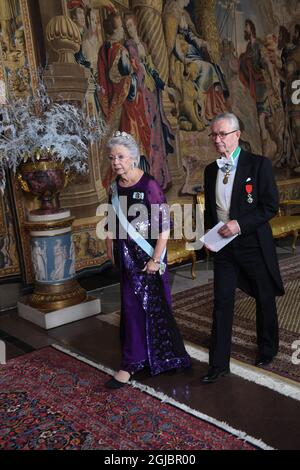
14,80
162,70
169,67
9,259
51,401
89,250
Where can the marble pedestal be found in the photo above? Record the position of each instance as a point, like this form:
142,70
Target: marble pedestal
57,298
47,320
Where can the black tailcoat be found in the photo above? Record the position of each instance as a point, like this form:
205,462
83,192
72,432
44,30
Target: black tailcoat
252,217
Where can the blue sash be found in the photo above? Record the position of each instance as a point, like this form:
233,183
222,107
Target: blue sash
132,232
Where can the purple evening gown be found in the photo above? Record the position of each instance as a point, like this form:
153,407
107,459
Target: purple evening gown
149,334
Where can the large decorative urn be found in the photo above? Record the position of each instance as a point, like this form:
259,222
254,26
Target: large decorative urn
57,298
44,178
64,37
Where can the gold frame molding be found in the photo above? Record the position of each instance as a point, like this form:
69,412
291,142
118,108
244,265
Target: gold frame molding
20,201
31,53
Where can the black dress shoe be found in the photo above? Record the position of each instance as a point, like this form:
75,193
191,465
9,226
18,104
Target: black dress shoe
114,383
214,373
263,360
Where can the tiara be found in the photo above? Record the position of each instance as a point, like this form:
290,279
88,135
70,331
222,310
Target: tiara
122,134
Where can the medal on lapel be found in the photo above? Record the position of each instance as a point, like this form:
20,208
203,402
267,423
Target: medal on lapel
249,188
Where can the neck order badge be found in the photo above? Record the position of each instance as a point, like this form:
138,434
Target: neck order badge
229,165
227,173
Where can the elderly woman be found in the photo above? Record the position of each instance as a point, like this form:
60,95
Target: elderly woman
149,334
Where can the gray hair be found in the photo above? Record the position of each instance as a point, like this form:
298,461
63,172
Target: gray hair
127,141
233,120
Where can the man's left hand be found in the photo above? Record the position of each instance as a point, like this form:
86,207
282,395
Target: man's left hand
229,229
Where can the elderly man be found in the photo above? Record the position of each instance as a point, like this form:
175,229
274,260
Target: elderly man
240,191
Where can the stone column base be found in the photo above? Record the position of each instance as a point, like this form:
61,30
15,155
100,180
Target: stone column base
52,319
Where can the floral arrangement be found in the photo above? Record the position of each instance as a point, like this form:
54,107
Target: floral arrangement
35,127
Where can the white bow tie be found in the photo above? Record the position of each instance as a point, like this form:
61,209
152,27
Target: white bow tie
225,163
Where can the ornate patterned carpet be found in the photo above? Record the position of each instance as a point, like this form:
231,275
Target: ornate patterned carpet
193,310
49,400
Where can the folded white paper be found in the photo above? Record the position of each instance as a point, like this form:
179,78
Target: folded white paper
214,241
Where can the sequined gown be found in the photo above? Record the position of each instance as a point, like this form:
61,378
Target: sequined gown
149,334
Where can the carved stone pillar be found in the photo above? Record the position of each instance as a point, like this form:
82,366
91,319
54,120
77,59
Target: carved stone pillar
150,28
73,82
205,14
65,78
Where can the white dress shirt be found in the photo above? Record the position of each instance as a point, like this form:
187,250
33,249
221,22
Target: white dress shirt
224,192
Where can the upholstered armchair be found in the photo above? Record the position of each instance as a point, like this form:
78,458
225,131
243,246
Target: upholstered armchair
284,223
180,251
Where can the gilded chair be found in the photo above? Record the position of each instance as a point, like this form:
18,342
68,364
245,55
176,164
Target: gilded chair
285,224
200,200
180,251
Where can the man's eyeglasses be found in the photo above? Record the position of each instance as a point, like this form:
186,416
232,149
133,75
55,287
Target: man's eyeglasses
222,135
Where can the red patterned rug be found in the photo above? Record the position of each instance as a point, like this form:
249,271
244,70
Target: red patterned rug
50,400
193,311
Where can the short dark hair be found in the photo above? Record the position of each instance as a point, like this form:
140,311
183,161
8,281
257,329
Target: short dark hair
109,23
285,34
252,27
